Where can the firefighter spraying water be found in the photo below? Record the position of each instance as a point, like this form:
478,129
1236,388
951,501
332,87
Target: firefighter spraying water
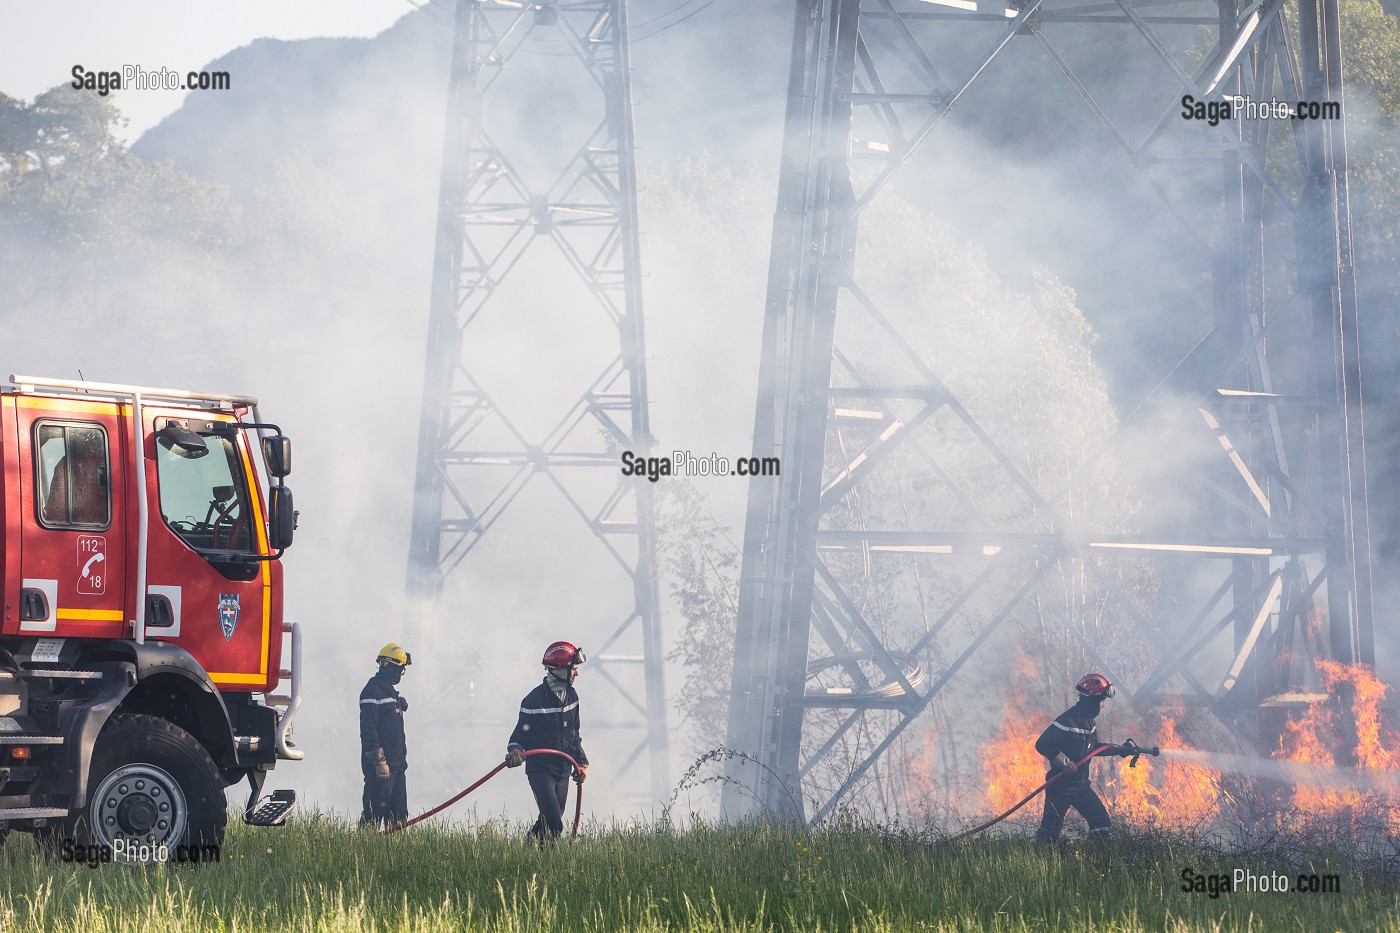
1071,743
1065,742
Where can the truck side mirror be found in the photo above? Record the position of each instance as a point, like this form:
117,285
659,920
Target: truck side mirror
283,518
277,451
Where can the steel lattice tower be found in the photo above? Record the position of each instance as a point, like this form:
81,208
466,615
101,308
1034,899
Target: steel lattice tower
1274,383
568,197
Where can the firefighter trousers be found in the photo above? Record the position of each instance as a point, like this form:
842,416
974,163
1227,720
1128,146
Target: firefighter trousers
1063,796
551,793
385,802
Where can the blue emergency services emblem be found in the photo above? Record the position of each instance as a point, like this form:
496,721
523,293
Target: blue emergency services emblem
228,613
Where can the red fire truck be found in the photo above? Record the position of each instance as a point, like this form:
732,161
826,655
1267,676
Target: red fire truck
142,643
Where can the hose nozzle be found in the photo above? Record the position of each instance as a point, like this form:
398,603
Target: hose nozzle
1133,751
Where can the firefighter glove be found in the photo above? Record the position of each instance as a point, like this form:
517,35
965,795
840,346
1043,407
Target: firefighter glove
580,774
1065,764
402,704
381,767
514,758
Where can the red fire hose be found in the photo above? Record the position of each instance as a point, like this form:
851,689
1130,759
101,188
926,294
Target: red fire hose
578,795
1029,797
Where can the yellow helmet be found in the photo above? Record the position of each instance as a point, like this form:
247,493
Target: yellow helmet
394,654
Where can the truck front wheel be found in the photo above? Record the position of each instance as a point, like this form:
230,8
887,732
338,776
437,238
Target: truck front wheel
151,784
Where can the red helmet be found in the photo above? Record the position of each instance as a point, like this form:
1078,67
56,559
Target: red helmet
1094,685
562,654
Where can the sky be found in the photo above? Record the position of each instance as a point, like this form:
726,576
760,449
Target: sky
42,42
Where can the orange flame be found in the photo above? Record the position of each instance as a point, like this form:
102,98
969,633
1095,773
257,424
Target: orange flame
1175,795
1012,765
1191,793
1169,795
1134,799
1312,738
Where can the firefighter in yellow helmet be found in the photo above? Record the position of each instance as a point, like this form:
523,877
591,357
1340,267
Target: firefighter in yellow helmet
383,751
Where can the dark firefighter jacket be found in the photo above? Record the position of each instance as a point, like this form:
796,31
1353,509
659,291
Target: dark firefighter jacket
1074,733
381,722
546,721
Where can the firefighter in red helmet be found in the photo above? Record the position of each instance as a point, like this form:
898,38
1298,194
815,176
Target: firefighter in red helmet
549,718
1065,742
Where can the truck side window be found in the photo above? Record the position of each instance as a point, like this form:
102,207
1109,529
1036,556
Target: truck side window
204,498
70,481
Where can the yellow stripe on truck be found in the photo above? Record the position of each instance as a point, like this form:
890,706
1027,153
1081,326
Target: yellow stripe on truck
265,578
264,574
238,678
65,404
92,615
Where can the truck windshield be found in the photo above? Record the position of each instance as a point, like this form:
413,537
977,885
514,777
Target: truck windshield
204,499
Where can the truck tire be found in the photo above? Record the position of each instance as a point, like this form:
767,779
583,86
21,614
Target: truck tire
151,783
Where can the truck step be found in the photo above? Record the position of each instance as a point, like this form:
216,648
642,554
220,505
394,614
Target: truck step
31,813
19,738
272,811
62,675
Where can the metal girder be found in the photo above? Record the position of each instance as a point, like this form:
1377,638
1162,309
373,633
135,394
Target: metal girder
813,230
475,458
868,83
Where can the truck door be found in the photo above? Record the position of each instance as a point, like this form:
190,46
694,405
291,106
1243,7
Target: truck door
72,519
208,593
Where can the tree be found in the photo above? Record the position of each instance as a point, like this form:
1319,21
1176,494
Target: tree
1371,69
1022,366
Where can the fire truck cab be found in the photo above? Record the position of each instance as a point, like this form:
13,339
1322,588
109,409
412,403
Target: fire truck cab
142,640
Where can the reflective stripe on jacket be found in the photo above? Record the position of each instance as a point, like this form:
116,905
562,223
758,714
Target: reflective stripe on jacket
549,721
1074,733
381,722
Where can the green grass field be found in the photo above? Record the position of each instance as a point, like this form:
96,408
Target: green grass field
321,875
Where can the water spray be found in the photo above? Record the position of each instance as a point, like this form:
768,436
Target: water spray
1291,772
1287,772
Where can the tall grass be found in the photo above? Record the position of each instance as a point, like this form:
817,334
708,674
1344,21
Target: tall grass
321,875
